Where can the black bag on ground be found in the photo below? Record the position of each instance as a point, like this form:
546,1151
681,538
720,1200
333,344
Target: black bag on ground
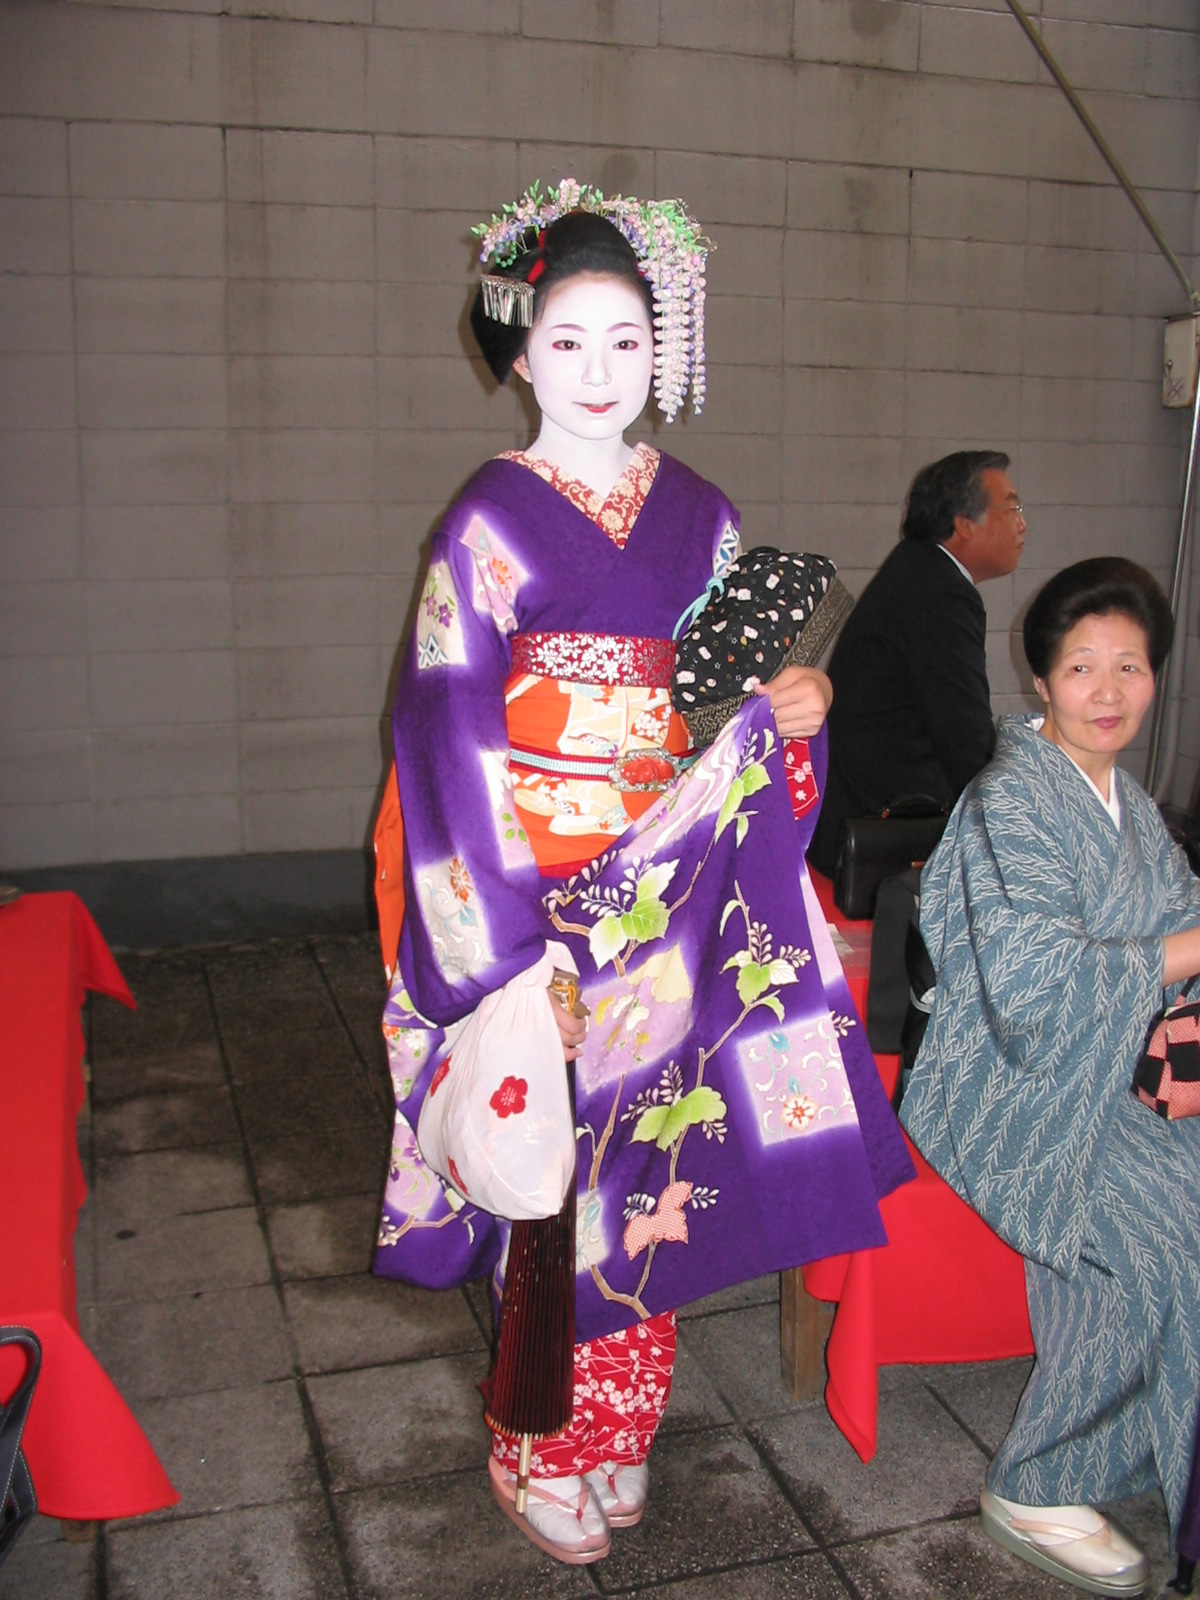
18,1502
922,979
901,982
870,849
887,986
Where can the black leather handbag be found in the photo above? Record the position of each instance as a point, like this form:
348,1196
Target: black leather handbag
18,1501
870,849
901,983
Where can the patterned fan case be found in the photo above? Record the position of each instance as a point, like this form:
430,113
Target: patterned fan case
776,608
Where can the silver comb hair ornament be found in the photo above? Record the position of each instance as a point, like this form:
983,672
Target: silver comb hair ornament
671,253
508,300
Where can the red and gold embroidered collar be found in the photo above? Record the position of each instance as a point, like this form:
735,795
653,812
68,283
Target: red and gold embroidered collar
615,513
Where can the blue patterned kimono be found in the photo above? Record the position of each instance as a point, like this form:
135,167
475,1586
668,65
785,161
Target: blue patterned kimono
1045,923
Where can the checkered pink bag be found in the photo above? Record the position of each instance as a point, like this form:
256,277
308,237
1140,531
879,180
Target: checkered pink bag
1167,1078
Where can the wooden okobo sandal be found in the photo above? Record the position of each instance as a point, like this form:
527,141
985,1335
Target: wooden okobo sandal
580,1546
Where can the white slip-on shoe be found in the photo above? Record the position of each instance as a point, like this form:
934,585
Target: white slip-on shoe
621,1491
1075,1543
562,1516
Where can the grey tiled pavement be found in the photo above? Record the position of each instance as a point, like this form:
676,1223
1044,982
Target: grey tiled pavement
323,1427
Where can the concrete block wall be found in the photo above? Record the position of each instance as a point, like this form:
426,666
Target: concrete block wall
236,390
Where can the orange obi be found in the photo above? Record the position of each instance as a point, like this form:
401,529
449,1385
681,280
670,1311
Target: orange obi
593,741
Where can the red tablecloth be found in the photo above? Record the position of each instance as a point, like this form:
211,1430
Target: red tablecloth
89,1458
944,1287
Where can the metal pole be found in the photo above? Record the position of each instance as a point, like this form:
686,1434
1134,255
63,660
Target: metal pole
1098,139
1161,688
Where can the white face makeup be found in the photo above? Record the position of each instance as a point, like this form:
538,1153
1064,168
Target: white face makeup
590,358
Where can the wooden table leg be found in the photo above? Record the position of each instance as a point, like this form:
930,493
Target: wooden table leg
804,1325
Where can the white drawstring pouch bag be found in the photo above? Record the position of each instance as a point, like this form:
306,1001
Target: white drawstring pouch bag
497,1121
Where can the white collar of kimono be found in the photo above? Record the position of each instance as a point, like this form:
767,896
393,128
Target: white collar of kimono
950,554
1113,803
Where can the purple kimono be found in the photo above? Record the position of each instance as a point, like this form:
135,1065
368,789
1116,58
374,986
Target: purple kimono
730,1120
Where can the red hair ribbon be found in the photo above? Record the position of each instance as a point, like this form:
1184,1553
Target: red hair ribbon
536,271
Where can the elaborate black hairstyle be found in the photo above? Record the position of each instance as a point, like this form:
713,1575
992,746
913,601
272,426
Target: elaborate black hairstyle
579,242
949,488
1097,588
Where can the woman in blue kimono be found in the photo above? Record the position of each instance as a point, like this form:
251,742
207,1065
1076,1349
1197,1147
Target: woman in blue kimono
1059,916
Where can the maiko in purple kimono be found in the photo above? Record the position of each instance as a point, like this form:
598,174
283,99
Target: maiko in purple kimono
730,1118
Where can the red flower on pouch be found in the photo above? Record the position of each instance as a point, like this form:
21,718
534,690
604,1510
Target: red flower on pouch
438,1077
509,1098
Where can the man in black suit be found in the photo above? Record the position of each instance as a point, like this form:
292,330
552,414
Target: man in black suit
911,712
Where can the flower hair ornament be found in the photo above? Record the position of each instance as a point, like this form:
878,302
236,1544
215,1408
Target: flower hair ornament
671,252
